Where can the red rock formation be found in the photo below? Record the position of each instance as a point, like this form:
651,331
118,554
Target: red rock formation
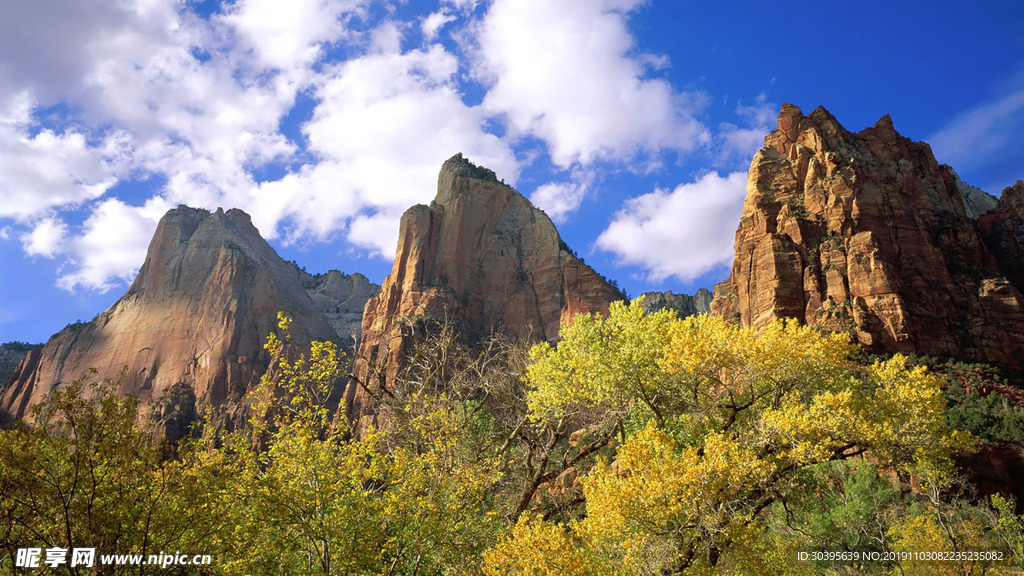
1003,231
996,469
196,316
483,257
866,232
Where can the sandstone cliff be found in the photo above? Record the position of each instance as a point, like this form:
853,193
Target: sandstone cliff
341,298
684,304
484,258
866,232
192,326
1003,230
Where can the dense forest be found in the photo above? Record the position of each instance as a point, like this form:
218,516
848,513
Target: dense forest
638,444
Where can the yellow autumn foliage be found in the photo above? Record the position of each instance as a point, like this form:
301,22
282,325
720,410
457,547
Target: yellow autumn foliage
539,548
656,495
718,422
941,546
601,363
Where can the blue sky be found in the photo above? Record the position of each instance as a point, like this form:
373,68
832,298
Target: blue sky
631,123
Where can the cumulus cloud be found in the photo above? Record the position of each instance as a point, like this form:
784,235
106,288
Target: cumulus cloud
46,238
384,124
560,199
188,114
433,23
54,70
285,35
150,89
199,103
682,233
566,72
465,5
154,89
113,244
48,169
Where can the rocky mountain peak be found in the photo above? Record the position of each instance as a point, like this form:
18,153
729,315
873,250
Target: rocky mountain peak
790,117
1013,197
482,256
865,232
459,166
340,298
885,123
196,316
185,239
976,200
795,131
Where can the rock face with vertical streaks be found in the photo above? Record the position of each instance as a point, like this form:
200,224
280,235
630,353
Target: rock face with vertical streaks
190,330
1002,227
482,256
865,232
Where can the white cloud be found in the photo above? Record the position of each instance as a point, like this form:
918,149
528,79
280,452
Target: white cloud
150,89
465,5
560,199
113,244
205,92
49,46
384,125
565,72
288,34
50,169
975,136
376,232
387,37
683,233
197,101
433,23
654,61
16,110
222,110
46,238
